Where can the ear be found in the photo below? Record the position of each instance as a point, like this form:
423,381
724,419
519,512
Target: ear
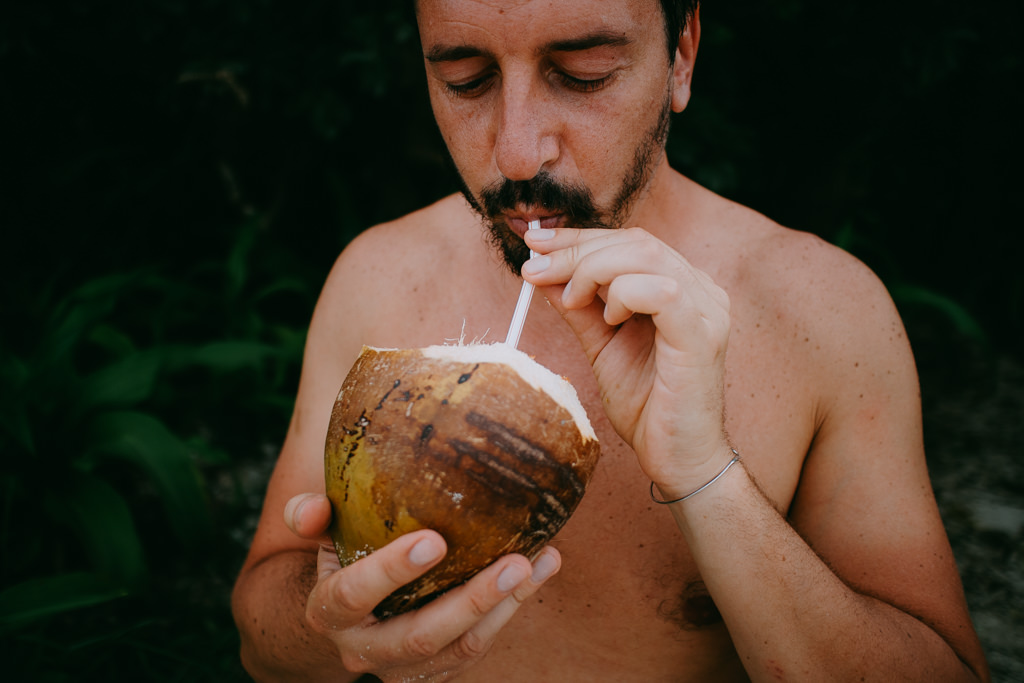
686,55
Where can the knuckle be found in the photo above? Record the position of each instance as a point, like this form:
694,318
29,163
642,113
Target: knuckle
470,646
420,645
669,289
524,591
574,254
347,597
479,604
654,252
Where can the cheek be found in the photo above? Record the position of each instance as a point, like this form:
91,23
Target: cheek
469,141
604,141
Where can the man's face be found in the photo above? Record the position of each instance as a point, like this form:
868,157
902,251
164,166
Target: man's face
552,110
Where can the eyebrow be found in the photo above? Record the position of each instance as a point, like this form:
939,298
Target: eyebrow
451,53
591,40
454,53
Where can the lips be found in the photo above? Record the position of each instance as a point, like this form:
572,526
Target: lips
520,222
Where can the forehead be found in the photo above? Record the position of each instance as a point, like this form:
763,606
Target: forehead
504,25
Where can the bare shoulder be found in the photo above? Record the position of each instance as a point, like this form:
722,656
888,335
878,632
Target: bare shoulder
392,270
403,251
820,316
822,277
805,288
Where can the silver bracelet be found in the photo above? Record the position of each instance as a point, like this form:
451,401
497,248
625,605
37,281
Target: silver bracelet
735,459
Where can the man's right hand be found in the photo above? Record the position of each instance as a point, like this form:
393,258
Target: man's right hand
435,642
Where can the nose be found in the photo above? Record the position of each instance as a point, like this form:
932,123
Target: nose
526,139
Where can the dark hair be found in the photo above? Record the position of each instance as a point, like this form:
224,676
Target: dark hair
677,14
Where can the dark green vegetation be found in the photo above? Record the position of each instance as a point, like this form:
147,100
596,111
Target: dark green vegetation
179,176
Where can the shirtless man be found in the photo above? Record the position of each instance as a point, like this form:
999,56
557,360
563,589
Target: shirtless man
820,555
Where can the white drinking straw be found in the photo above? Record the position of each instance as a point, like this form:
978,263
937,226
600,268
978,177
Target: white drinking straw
523,305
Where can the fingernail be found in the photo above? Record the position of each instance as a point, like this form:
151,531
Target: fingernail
565,292
538,264
511,577
424,552
540,234
544,568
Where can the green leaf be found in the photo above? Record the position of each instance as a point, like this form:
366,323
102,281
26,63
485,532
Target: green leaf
14,374
292,285
207,454
99,516
13,370
80,311
846,237
144,441
105,287
962,320
36,599
229,356
238,259
112,340
123,383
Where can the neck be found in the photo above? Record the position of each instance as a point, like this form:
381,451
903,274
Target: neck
662,205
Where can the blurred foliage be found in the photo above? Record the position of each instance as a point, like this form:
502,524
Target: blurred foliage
180,175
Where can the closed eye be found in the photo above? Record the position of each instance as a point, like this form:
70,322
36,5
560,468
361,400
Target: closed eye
470,88
584,85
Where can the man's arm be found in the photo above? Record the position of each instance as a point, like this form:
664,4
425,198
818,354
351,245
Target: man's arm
271,593
867,590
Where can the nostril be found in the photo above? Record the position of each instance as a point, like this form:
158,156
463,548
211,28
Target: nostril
521,156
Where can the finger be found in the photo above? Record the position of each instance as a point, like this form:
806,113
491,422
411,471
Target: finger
642,275
693,323
589,264
575,244
427,633
478,639
544,241
639,293
348,595
308,515
599,262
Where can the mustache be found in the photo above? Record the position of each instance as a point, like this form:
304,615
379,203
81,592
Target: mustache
575,202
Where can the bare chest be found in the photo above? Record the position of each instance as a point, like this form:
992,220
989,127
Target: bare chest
629,602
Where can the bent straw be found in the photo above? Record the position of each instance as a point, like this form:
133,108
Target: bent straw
523,305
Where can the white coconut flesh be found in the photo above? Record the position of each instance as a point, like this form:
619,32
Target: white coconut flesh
532,372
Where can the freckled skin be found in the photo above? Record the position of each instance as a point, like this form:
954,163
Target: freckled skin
821,552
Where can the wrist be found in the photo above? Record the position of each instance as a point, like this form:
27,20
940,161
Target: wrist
695,482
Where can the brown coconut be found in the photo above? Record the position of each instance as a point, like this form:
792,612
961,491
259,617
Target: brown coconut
477,442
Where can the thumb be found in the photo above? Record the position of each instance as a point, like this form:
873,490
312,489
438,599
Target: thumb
308,515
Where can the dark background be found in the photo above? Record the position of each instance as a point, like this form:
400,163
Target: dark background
179,175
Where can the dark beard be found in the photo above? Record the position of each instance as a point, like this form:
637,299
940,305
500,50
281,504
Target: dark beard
575,202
